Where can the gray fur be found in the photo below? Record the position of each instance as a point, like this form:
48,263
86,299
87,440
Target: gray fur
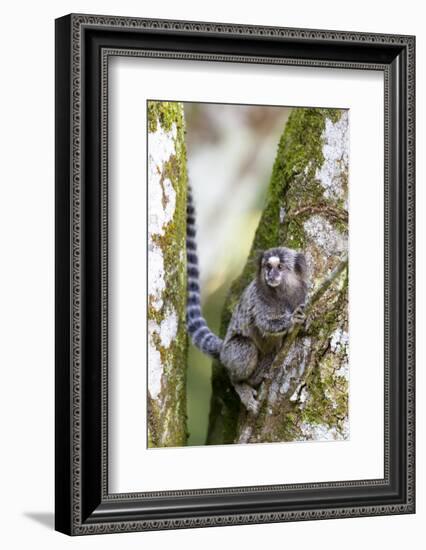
269,306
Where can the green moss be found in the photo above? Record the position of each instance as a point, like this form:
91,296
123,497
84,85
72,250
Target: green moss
328,395
154,428
224,408
165,114
327,390
287,428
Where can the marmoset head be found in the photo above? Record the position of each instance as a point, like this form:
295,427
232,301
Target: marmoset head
282,267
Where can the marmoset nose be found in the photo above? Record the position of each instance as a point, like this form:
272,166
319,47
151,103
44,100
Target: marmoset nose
275,274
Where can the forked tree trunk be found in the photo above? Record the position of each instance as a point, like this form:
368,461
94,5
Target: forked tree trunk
306,393
167,342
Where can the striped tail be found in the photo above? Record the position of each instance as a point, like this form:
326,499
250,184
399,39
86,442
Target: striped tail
201,336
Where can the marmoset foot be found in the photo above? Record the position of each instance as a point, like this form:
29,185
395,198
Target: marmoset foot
247,395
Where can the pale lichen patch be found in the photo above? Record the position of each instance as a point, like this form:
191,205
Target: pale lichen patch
156,283
325,236
292,370
161,203
339,340
161,194
155,365
168,329
339,344
322,432
343,370
161,146
162,334
336,156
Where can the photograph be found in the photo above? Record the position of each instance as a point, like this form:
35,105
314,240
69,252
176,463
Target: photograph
235,274
248,281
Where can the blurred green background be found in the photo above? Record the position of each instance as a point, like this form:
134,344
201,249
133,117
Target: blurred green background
231,150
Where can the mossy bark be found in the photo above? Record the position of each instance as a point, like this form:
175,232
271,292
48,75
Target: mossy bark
306,393
167,342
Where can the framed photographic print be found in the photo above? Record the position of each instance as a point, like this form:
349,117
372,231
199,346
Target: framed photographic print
234,274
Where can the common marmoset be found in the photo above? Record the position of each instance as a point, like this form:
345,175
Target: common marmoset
268,308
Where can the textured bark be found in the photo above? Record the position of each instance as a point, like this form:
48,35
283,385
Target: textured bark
167,342
306,393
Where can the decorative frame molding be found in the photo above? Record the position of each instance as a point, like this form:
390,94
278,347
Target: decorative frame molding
83,45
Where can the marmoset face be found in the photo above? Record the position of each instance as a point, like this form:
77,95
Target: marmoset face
273,271
277,265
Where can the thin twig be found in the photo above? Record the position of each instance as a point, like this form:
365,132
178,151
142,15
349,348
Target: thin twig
322,209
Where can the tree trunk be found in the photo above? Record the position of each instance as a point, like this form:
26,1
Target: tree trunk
306,393
167,342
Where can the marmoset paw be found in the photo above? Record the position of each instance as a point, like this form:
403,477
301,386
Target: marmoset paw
299,316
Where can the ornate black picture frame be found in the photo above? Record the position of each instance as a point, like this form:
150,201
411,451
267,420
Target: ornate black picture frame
83,45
